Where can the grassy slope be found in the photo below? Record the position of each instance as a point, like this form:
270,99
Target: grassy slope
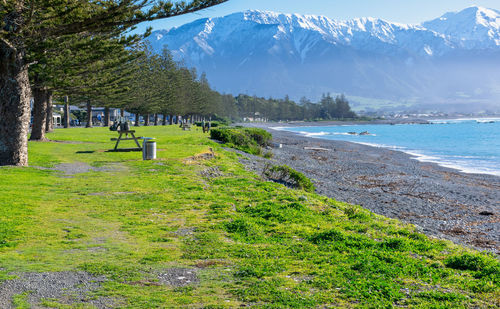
253,242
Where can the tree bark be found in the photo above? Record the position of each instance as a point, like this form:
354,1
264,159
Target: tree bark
170,119
164,120
39,114
49,123
137,120
176,119
89,115
66,112
15,94
146,120
107,117
156,119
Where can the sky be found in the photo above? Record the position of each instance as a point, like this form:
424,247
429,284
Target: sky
401,11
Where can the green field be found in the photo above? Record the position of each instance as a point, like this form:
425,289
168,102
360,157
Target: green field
249,242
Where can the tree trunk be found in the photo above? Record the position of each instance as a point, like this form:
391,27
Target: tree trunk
89,115
137,118
49,123
176,119
170,119
107,117
15,94
146,120
156,119
39,114
164,120
66,112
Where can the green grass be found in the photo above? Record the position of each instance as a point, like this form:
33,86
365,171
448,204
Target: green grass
252,242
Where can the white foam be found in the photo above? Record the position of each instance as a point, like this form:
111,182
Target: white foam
456,162
315,134
461,120
460,166
344,133
278,128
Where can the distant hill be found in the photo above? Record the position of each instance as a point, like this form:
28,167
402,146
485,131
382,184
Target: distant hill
450,63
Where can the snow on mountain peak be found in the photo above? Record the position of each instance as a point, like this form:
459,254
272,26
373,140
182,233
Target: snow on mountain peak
274,53
472,27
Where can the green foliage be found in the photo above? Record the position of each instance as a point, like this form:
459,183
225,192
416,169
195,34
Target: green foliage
246,139
483,266
285,109
337,108
250,242
20,301
327,236
7,234
81,116
260,136
290,177
213,124
268,154
466,261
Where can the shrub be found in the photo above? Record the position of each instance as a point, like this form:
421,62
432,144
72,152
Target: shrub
289,177
243,229
260,136
327,236
246,139
468,261
268,155
213,124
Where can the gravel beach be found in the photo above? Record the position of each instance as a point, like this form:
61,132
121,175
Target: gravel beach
445,203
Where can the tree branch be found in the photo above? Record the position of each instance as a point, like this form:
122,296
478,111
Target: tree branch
108,19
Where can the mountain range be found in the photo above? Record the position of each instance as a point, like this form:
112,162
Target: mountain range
450,63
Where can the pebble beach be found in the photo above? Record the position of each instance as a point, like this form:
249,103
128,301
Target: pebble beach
442,202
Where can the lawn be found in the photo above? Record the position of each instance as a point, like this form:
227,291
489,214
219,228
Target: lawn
194,229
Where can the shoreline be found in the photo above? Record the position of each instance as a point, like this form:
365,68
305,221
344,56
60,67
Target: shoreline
444,202
424,158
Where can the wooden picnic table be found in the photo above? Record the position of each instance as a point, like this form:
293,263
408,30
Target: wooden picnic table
126,138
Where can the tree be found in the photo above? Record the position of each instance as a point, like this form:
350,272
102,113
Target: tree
343,108
72,68
24,25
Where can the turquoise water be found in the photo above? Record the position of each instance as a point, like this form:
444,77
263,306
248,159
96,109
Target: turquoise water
469,145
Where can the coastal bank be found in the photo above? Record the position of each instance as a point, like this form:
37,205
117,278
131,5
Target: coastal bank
441,202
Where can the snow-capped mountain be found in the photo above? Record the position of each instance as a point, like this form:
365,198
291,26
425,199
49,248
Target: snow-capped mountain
454,58
474,27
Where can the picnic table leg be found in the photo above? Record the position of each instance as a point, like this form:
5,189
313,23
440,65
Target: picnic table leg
118,141
136,141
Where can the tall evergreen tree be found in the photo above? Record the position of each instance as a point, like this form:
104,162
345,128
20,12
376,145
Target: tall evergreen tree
80,67
26,24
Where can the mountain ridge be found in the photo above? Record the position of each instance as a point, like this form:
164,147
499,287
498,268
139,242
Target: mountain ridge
378,58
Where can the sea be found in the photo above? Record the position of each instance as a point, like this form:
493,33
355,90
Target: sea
468,145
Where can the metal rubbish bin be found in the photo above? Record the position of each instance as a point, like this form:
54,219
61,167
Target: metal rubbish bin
148,149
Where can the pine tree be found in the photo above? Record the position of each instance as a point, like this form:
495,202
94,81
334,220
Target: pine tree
25,25
71,68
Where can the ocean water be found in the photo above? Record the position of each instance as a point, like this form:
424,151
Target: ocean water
469,145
